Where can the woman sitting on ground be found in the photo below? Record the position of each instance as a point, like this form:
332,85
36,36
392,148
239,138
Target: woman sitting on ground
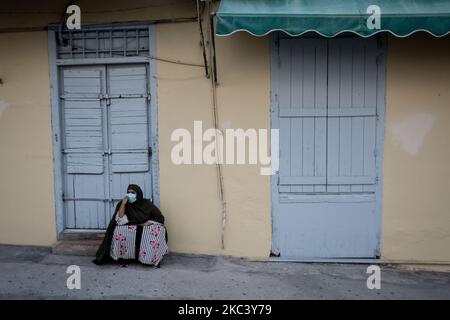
136,231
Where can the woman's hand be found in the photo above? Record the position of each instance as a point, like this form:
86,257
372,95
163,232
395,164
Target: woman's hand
122,207
149,222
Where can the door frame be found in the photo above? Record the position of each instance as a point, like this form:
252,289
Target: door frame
54,66
379,144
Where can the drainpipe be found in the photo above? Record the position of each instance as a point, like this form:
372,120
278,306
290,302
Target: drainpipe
212,53
202,36
213,46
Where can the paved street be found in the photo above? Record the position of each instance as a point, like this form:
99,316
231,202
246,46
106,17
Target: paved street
35,273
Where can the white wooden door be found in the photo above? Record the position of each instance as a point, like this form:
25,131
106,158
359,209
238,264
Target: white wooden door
105,125
327,105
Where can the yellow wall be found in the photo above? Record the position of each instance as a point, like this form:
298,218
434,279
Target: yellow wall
244,102
189,194
50,11
416,207
26,169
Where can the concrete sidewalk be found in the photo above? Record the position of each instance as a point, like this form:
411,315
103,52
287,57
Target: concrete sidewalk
35,273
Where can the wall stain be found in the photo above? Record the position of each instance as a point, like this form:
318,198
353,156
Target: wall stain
3,106
409,132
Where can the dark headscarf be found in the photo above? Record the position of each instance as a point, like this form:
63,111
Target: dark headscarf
142,209
137,212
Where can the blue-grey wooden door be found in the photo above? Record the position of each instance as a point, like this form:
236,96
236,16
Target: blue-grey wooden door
106,139
327,107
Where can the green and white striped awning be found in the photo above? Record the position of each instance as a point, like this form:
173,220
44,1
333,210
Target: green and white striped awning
332,17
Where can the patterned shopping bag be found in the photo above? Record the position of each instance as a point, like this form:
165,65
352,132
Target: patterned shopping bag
123,242
153,244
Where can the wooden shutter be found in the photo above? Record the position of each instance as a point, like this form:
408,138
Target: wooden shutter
352,112
302,112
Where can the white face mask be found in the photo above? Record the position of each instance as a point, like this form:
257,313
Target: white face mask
131,197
